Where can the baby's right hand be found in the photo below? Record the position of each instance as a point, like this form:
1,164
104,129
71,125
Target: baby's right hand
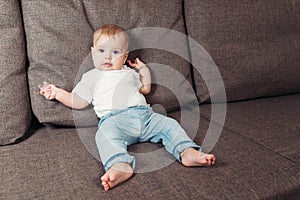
49,91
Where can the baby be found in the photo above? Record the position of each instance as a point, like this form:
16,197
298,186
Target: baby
117,94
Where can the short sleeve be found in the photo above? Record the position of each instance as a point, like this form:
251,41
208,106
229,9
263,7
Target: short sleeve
85,87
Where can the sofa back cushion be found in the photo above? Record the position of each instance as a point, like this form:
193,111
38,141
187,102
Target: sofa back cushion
255,45
59,40
14,107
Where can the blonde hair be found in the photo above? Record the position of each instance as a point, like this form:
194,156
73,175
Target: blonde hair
109,30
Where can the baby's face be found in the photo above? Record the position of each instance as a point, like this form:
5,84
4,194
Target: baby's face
110,53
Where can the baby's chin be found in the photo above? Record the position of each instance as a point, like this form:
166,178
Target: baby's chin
104,68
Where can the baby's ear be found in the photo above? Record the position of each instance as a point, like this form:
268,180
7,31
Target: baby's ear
126,56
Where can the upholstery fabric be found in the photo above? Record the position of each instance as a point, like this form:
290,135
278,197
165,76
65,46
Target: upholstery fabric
59,38
271,122
53,164
255,45
14,98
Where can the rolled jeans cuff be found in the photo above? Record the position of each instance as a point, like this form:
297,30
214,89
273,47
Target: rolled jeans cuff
183,146
119,158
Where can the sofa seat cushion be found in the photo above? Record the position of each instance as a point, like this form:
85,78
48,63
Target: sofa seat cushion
59,39
54,164
273,123
14,98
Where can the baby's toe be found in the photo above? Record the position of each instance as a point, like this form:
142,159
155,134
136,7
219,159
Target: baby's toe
105,186
210,159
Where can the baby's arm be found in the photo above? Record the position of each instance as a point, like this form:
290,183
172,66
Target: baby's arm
71,100
145,75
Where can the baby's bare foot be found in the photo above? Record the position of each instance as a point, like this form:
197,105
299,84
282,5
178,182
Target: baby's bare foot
118,173
192,157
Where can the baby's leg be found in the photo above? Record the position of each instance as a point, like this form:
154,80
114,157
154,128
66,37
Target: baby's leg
115,175
192,157
177,142
112,145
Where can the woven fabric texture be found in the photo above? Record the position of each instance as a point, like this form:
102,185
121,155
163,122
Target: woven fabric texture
255,46
271,122
14,98
54,164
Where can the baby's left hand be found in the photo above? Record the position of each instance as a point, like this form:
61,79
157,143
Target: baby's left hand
49,91
138,64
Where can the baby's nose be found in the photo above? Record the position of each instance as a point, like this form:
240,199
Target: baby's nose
108,56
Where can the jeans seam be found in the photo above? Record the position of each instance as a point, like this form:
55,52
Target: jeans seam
114,157
192,144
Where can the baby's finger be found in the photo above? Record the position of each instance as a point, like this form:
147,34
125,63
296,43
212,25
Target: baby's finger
49,87
49,96
131,63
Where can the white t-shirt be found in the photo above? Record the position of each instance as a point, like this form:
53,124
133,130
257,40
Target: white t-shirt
110,90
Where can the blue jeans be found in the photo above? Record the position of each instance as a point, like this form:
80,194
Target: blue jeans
121,128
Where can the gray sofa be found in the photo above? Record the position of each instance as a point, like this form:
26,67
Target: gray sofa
247,112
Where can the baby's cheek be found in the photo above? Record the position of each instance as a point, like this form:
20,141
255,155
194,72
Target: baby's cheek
98,60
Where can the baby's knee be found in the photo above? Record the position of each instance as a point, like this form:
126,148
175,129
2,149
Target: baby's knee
172,122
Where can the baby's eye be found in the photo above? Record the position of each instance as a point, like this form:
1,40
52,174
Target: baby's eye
116,52
101,50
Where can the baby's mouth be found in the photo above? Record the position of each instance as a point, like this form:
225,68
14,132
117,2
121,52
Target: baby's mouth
108,64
